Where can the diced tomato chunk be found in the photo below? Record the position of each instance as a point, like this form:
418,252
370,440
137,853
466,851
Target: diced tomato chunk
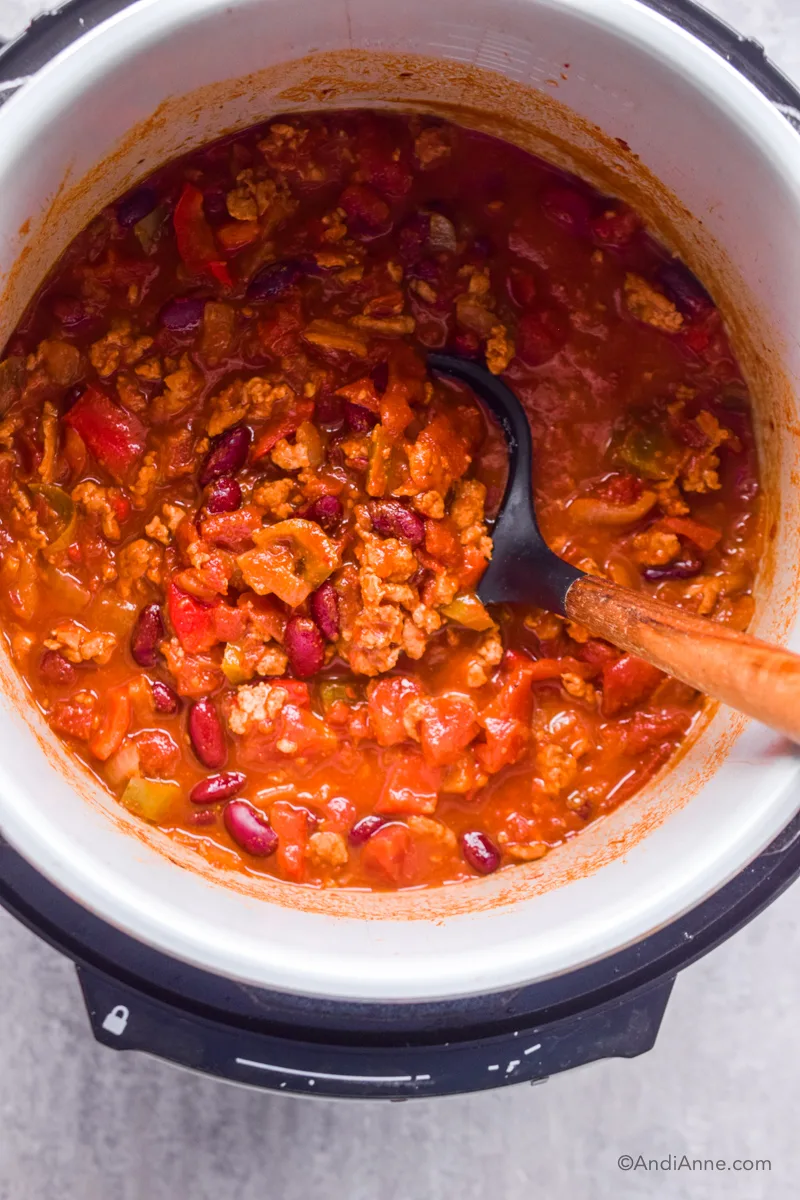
514,699
626,682
307,732
387,851
229,623
195,675
411,786
366,211
506,741
472,568
75,717
298,692
447,728
340,814
622,489
597,652
158,753
111,734
291,826
387,701
541,334
113,435
193,621
643,730
279,330
441,541
232,530
382,163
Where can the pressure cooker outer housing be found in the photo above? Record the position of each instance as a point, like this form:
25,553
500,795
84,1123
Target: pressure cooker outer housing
646,110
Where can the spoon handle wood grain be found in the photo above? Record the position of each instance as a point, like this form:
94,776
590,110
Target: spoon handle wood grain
760,680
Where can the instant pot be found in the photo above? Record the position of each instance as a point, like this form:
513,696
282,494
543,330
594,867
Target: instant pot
551,965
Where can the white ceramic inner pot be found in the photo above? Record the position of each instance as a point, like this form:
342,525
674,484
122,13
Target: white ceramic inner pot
564,78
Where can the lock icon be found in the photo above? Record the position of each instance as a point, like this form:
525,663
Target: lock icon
116,1021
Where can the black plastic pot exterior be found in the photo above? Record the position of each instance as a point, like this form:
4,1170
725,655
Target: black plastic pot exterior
138,999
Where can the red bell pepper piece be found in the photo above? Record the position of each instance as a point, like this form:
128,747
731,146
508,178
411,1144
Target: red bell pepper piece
704,536
195,238
282,425
113,435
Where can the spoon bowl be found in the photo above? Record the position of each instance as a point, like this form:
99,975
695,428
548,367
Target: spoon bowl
760,680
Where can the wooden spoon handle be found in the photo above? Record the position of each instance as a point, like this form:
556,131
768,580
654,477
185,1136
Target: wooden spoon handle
760,680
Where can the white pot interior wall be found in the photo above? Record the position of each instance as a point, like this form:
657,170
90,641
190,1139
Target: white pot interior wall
165,76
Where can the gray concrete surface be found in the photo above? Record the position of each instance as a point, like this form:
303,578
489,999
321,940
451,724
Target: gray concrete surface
78,1122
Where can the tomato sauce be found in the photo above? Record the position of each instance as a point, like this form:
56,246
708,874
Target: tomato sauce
242,527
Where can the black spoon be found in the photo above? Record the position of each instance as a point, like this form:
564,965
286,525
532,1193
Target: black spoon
758,679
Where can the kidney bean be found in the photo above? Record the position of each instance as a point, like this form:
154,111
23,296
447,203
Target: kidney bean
329,411
745,484
274,279
250,829
482,246
541,334
184,314
324,604
466,344
568,208
207,735
684,569
480,851
135,206
227,455
358,418
164,698
217,787
224,495
367,214
215,205
523,287
616,226
147,635
413,238
73,314
55,668
363,830
391,518
303,643
685,290
427,270
327,511
380,376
